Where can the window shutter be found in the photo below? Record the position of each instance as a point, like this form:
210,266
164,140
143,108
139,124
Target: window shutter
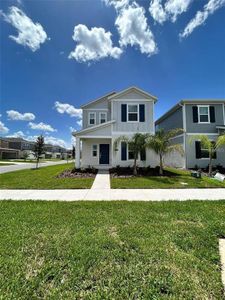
123,113
123,151
195,114
141,113
212,114
143,155
198,149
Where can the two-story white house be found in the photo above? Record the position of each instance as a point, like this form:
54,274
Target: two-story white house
109,117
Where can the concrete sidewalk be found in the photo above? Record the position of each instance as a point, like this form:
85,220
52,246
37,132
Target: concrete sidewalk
102,180
115,194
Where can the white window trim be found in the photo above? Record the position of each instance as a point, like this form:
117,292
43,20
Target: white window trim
92,150
205,158
200,106
91,112
104,113
133,112
132,159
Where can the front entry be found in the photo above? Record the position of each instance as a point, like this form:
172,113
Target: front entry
104,154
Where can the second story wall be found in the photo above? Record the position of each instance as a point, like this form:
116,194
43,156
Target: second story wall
206,124
143,109
100,110
175,120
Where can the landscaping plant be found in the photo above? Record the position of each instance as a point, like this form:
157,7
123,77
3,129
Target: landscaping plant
161,144
211,146
39,149
136,143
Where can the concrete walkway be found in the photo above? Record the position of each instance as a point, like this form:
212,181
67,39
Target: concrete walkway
23,166
222,256
102,181
115,194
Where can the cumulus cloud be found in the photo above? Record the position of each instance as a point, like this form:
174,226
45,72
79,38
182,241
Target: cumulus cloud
93,44
118,4
65,108
201,16
41,126
55,141
79,122
3,128
30,34
15,116
170,11
18,134
134,30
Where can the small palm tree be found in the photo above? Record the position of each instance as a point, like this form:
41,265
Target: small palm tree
211,146
137,144
161,144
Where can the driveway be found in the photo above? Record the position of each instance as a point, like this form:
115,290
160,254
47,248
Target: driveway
23,166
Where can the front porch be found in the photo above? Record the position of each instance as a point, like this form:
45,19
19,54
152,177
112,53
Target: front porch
94,152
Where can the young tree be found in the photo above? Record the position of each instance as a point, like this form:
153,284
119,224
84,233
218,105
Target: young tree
211,146
39,149
161,144
136,144
25,155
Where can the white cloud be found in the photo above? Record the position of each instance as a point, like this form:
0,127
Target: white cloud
118,4
41,126
157,11
72,129
201,16
93,44
15,115
30,34
3,128
55,141
134,30
79,122
68,109
170,11
18,134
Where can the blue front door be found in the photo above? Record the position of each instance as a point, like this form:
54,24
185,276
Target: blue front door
104,154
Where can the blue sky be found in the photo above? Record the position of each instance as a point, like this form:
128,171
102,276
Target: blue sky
168,51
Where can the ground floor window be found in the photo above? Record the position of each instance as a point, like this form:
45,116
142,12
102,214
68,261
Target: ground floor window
130,153
202,152
94,150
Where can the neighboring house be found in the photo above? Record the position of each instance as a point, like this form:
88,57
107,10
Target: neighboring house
22,145
6,152
54,151
112,116
195,117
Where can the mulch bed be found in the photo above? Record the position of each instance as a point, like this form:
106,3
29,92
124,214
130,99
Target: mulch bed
78,173
128,172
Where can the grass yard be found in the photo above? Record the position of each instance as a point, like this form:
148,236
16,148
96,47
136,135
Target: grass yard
43,178
180,179
111,250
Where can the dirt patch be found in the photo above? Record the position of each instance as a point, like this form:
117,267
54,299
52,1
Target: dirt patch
78,173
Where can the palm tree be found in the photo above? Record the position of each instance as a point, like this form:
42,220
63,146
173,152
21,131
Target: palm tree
211,146
136,143
161,144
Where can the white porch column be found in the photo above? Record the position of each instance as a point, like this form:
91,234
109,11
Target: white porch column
77,161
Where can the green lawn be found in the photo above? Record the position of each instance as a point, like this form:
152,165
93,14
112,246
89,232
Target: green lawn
111,250
180,179
43,178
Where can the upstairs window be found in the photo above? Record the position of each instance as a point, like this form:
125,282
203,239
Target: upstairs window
132,113
103,117
92,118
94,150
203,114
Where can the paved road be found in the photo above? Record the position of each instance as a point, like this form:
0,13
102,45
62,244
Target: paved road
23,166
